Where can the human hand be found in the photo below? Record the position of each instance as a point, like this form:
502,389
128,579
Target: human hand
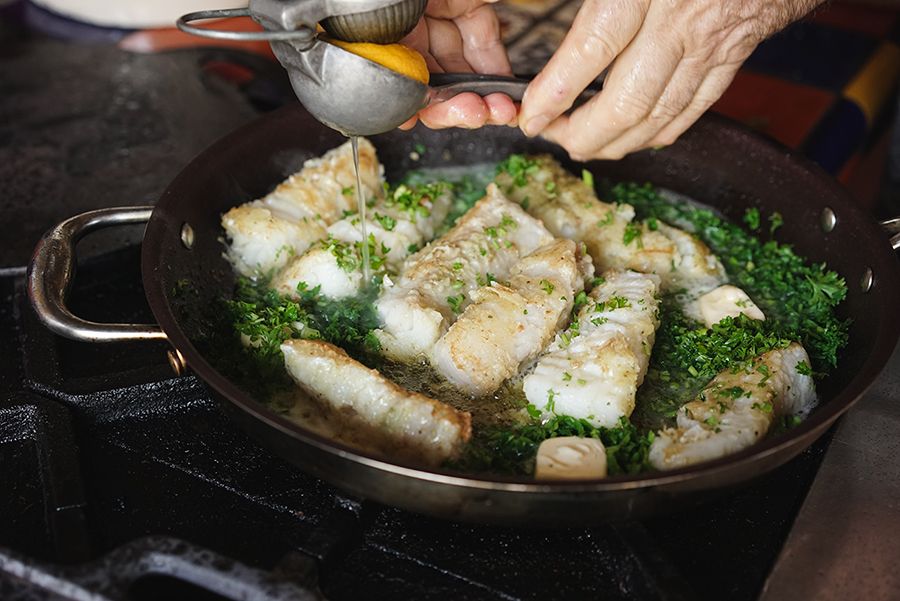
463,36
673,60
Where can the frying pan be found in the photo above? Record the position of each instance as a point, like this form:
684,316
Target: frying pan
717,162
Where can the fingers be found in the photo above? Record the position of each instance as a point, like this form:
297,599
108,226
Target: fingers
451,9
673,69
601,31
445,45
482,47
469,111
463,36
708,92
635,108
679,106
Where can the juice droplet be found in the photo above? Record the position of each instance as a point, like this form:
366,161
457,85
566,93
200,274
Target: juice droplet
361,206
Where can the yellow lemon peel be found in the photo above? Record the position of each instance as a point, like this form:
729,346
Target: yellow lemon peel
396,57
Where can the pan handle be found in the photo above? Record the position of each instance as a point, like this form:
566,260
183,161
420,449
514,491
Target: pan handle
52,271
892,228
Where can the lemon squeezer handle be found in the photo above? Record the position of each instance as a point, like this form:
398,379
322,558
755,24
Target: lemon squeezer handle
445,86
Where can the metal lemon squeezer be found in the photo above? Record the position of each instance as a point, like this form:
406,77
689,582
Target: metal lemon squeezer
342,90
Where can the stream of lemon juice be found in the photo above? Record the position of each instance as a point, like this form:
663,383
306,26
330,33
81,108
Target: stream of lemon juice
361,206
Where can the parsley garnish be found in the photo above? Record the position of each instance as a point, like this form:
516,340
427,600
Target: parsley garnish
519,168
511,452
633,231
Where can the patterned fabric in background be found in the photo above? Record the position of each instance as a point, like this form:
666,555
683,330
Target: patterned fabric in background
826,86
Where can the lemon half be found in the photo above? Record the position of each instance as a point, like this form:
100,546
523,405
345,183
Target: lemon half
396,57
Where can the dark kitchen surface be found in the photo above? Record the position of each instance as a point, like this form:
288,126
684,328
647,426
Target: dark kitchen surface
121,481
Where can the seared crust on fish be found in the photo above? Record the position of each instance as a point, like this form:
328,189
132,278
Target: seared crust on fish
264,234
406,424
570,209
437,281
508,324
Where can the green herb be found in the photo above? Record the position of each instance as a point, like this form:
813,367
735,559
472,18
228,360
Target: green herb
512,451
456,302
519,168
550,187
765,407
633,231
751,218
414,200
776,221
587,177
264,321
799,296
804,369
581,300
344,253
551,394
386,222
784,424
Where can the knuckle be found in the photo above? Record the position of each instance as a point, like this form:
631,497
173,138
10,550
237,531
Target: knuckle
610,154
662,114
630,109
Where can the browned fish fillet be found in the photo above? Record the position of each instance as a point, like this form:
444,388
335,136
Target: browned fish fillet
405,424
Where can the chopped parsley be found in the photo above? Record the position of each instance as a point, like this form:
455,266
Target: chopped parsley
632,233
456,302
519,168
799,295
263,321
511,452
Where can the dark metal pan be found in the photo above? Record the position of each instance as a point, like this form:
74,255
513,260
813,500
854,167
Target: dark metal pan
717,162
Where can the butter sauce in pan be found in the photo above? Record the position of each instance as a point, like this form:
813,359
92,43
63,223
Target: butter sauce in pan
536,313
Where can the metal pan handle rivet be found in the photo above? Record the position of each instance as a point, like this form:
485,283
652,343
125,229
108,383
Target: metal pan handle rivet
827,219
891,227
867,280
187,236
177,362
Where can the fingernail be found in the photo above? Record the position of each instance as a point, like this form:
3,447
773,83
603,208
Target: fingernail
535,125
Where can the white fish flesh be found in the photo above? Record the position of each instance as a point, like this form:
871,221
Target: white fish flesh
737,410
260,243
508,324
570,209
593,369
263,235
436,282
399,225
